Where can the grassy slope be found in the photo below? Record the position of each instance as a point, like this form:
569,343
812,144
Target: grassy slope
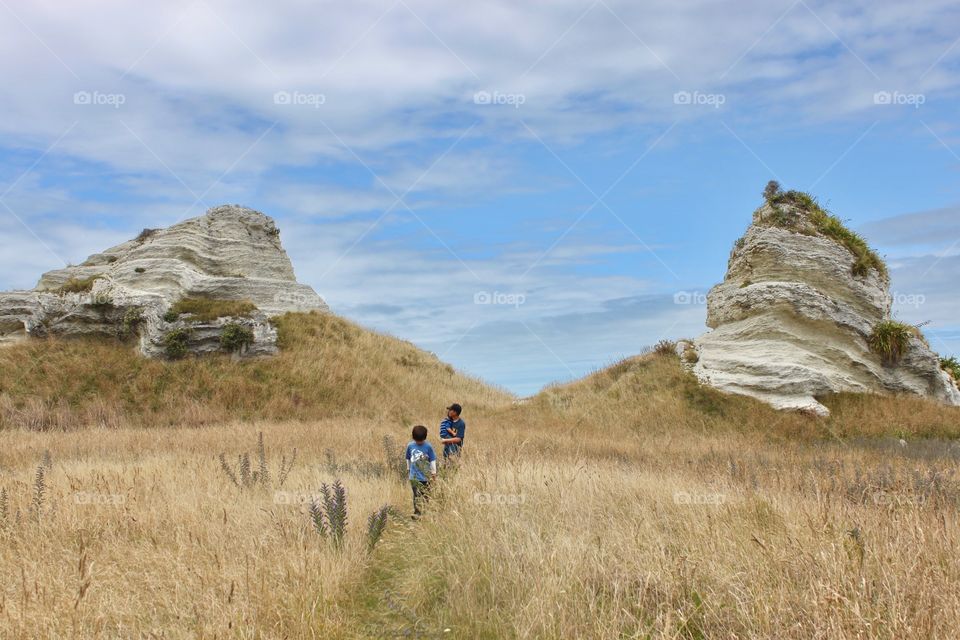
328,367
634,503
564,520
655,393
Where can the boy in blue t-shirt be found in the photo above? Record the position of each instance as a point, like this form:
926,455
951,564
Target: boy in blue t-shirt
421,460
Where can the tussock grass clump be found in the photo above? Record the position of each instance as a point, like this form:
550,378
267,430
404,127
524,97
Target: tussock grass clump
78,285
891,339
208,309
665,348
824,223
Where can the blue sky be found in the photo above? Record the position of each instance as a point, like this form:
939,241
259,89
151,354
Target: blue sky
522,188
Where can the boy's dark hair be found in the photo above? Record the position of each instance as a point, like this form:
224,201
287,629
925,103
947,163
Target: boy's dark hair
419,433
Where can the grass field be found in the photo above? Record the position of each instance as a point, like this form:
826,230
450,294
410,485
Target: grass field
630,504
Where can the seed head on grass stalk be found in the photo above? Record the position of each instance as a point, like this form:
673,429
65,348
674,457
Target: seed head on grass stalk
376,525
39,491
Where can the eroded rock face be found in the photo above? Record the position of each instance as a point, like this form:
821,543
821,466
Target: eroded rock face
230,253
790,321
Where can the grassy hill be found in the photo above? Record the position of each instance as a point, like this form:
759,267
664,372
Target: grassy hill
655,393
327,367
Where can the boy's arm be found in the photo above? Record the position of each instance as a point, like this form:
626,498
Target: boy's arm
445,437
432,456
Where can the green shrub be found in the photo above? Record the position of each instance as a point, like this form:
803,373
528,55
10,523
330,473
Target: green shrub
208,309
131,320
175,343
78,285
890,339
235,336
140,270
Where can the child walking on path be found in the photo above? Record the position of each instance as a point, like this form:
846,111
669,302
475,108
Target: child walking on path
421,460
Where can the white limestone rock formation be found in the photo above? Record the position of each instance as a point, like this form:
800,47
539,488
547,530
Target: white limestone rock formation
231,253
793,316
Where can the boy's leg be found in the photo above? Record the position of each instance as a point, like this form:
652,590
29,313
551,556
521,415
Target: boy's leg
420,494
415,485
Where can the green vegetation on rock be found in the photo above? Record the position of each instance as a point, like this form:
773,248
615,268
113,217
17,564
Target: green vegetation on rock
78,285
175,343
208,309
890,339
235,336
952,366
825,224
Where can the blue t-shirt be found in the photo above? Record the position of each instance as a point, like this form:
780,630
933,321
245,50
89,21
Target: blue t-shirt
452,429
420,457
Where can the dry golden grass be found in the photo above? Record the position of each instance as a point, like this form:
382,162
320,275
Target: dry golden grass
170,547
328,367
630,504
620,534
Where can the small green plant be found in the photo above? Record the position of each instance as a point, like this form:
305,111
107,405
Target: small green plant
78,285
131,320
140,270
952,366
890,340
772,190
665,348
329,515
208,309
170,316
175,343
376,525
235,337
144,235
